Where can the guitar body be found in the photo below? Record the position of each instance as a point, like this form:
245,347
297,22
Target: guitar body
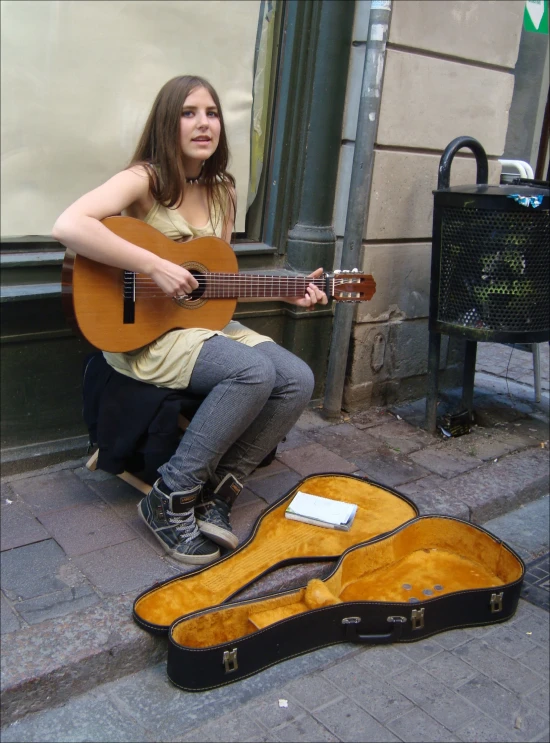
120,311
93,293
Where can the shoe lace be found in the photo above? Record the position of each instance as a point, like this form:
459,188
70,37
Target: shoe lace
185,524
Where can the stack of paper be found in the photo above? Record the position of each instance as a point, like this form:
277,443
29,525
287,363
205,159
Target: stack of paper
312,509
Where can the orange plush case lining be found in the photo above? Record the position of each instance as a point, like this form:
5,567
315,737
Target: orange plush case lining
274,540
439,554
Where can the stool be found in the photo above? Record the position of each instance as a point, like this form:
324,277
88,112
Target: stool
144,487
128,477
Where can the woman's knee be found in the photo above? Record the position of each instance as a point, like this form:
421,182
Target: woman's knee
305,381
292,373
261,369
309,379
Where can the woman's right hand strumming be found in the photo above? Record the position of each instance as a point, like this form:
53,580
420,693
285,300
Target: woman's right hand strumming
174,280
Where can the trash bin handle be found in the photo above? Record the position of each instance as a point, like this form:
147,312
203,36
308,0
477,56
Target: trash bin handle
449,153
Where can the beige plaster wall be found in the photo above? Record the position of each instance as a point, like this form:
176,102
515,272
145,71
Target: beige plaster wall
79,78
448,73
427,102
486,31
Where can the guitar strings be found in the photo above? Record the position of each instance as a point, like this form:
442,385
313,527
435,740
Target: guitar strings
234,278
224,282
233,285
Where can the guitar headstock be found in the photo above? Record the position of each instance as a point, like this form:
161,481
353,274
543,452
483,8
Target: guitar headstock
352,286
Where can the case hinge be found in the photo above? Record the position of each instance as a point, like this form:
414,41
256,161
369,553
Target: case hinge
230,660
496,602
417,619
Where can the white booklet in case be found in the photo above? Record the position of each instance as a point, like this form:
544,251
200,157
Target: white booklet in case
313,509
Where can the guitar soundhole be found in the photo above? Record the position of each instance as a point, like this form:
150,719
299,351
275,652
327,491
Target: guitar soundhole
195,299
199,291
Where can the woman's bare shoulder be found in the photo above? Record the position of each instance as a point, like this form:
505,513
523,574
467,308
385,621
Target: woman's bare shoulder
142,205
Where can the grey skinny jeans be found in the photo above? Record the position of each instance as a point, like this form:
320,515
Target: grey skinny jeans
253,397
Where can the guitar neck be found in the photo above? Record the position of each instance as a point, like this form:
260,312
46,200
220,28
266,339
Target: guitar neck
234,286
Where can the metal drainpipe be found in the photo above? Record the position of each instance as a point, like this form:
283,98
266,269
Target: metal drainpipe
360,186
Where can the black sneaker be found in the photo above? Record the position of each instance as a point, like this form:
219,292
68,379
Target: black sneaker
171,518
213,510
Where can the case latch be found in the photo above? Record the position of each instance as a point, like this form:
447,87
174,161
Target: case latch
417,619
496,602
230,660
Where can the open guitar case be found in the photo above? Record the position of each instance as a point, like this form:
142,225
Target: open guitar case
397,577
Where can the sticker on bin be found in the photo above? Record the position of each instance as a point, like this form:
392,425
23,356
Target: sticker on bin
533,201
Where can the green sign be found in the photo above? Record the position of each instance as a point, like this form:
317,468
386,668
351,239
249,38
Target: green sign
535,17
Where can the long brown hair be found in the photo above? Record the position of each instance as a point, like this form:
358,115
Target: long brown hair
159,151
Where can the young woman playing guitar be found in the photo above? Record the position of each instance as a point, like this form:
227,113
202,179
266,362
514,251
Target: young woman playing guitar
254,389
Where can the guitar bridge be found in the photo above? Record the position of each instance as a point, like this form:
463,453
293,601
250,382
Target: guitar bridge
129,300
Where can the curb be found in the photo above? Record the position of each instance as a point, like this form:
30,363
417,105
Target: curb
24,459
40,671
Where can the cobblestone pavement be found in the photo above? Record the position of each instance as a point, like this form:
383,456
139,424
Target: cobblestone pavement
513,362
75,667
479,684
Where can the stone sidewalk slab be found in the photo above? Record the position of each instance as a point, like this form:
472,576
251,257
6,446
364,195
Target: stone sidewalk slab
270,488
401,437
513,362
442,461
343,440
429,496
60,603
34,570
388,468
503,485
18,525
86,528
527,531
53,492
124,567
313,458
536,586
8,618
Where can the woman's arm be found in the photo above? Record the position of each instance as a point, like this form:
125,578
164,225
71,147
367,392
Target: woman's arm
79,228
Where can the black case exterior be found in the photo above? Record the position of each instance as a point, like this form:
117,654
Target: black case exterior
367,622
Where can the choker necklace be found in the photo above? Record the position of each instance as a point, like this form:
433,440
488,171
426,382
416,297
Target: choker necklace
197,178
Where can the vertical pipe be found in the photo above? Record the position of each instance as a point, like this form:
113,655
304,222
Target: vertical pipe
360,186
535,348
469,376
544,140
434,354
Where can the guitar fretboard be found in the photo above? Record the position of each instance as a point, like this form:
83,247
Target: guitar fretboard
220,285
229,285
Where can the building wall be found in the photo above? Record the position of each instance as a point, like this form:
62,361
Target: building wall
448,73
79,79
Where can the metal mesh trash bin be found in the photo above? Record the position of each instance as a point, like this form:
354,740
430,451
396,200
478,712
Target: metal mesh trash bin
490,272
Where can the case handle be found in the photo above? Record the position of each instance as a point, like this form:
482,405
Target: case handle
352,635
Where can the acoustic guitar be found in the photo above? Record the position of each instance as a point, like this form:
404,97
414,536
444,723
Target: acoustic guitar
117,310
